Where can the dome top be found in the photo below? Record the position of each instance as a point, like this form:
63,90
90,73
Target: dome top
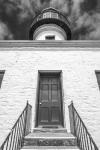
50,9
50,16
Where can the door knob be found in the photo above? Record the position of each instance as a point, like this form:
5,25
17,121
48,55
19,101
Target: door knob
40,103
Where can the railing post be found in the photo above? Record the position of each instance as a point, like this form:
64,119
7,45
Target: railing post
28,119
71,116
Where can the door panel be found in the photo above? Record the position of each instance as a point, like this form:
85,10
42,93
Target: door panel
54,92
44,115
49,103
44,93
55,114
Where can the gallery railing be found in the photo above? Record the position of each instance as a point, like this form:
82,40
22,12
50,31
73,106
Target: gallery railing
21,128
51,13
78,129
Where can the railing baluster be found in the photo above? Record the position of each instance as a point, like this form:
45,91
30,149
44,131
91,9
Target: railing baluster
23,125
18,145
20,129
90,143
7,143
78,132
85,141
15,137
80,135
11,140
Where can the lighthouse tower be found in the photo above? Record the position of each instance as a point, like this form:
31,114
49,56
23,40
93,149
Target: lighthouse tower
50,89
50,24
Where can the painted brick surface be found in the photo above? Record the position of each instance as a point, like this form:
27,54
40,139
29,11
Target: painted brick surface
79,84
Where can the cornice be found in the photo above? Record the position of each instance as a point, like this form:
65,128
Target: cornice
49,44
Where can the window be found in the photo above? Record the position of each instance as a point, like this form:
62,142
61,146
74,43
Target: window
1,77
47,15
54,15
50,37
98,77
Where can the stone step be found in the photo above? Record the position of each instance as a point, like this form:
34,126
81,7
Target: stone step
50,139
50,148
52,130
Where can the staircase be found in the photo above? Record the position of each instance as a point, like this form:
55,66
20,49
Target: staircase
54,139
20,137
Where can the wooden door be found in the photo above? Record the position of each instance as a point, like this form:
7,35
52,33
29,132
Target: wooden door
50,101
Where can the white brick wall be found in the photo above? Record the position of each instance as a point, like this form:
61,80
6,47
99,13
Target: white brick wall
79,84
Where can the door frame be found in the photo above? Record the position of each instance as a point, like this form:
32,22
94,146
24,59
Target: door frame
45,72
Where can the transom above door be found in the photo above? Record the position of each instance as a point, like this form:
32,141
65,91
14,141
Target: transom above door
49,111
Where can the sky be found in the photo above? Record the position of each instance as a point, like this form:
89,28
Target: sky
16,17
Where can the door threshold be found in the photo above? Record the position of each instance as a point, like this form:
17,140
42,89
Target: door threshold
50,126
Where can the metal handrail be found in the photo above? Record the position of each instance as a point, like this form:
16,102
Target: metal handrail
78,129
14,140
